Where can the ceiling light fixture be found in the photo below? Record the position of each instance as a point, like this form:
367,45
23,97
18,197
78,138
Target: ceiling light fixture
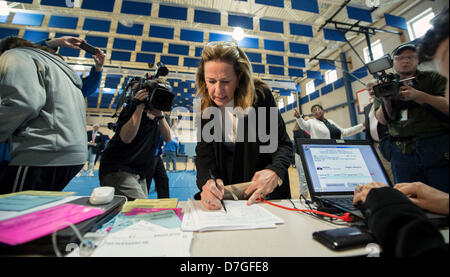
4,9
238,34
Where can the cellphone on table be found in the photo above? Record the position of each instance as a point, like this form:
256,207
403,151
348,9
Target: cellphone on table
88,48
343,238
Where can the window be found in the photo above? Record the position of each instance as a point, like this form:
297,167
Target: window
330,76
291,98
420,24
377,49
280,104
310,87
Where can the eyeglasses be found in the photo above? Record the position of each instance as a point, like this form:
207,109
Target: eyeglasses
401,58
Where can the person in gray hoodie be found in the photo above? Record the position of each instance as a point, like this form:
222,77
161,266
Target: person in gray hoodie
42,117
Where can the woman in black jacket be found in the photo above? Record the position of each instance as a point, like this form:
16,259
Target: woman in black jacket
255,146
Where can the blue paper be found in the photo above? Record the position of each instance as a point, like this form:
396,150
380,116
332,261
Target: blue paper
22,202
166,219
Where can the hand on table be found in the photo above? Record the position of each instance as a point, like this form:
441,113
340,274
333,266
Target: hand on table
263,183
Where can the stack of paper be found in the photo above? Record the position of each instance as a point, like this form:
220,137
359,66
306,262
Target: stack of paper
144,239
238,216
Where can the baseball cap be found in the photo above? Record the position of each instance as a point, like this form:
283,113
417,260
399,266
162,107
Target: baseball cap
404,47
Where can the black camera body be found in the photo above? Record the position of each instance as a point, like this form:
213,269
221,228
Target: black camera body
389,86
161,96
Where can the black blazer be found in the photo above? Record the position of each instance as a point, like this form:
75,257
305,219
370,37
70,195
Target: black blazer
247,159
99,139
382,129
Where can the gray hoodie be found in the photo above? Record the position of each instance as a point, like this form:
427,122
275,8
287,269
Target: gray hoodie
42,110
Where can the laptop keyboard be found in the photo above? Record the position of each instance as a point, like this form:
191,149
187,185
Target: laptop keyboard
346,203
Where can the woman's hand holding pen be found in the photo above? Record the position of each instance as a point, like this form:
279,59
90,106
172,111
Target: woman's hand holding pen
212,194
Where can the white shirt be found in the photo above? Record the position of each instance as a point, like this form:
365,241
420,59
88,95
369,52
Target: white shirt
319,130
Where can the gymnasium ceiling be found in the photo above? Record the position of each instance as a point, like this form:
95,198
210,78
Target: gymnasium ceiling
281,36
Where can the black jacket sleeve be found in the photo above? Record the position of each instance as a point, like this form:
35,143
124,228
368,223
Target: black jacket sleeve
400,227
204,160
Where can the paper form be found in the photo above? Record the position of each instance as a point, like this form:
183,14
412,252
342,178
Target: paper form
39,193
238,216
22,202
167,219
31,226
144,239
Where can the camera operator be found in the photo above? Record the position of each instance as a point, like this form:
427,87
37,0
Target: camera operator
417,120
131,151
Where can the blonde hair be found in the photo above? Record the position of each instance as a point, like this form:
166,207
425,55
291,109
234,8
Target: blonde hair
245,94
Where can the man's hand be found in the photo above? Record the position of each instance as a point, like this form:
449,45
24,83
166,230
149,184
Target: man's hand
66,41
140,96
296,113
263,183
408,93
99,59
425,197
153,113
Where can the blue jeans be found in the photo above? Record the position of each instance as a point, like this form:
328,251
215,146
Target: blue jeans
427,164
171,157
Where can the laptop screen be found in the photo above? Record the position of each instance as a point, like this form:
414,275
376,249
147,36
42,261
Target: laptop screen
339,168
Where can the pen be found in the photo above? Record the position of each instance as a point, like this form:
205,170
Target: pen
214,178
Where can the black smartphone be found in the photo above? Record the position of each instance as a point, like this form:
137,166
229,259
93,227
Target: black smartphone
343,238
88,48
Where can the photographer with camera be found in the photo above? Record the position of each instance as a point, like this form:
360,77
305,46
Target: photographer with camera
130,152
412,104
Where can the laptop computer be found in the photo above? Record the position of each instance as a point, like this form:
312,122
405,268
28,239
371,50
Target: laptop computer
334,167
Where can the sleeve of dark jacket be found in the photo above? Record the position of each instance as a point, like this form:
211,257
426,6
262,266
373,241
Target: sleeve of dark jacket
204,160
400,227
282,157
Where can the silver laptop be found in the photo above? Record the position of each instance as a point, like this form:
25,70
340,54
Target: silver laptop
334,167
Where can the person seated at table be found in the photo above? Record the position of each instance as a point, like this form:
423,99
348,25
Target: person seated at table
225,83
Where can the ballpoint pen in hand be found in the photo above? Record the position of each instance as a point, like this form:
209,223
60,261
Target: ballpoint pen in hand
211,175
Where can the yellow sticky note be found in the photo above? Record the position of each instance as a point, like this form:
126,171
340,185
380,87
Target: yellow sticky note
169,203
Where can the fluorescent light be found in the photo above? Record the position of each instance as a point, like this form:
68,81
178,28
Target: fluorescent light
4,9
238,34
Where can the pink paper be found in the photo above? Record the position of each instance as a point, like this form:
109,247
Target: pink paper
31,226
137,211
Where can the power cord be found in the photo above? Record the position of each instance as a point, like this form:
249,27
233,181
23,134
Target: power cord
86,246
346,217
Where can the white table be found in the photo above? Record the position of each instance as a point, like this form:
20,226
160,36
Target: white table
292,239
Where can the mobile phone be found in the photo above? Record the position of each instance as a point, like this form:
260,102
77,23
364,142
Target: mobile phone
88,48
343,238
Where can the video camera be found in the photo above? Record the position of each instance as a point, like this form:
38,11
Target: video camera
389,84
160,97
